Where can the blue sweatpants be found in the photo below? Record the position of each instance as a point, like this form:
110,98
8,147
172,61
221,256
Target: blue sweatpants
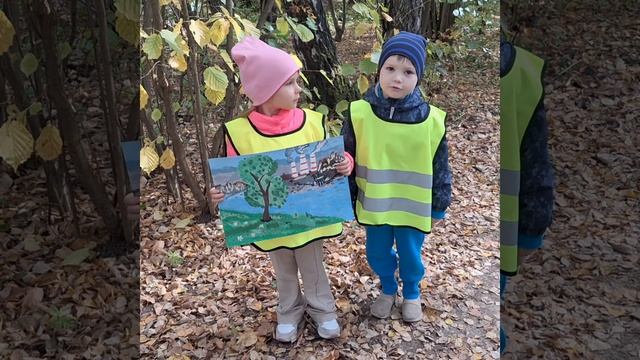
503,336
384,260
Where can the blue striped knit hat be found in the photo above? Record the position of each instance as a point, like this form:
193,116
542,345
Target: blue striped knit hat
410,45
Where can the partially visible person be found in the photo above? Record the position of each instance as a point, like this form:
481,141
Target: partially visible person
526,174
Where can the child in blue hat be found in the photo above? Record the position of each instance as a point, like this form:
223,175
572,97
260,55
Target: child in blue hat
401,179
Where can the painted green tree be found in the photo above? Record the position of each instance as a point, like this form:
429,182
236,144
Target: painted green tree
264,189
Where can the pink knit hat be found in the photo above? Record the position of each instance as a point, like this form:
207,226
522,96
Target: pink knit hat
263,68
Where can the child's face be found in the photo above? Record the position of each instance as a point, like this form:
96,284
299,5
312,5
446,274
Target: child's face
398,77
287,96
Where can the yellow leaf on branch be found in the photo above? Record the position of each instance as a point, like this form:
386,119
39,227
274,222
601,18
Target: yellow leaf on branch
200,32
7,33
214,96
363,83
144,97
128,29
219,31
178,62
168,159
16,143
49,143
148,158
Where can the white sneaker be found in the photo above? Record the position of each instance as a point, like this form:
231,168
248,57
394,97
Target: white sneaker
329,329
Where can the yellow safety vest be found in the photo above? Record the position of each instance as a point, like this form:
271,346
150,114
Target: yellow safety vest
246,139
520,94
394,171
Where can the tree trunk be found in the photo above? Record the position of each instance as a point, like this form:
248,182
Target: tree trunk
320,54
406,14
232,97
162,89
218,143
266,217
111,120
200,129
264,13
339,28
428,18
446,16
69,122
3,99
133,122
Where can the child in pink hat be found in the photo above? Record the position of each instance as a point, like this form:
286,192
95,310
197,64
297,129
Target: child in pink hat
269,77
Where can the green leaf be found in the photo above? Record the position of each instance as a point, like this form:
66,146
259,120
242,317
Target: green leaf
156,114
250,28
183,223
323,109
29,64
64,49
373,14
311,24
153,46
304,33
31,243
472,45
215,78
368,67
173,40
175,106
227,59
363,84
130,8
341,106
347,69
282,26
375,57
35,108
362,9
128,29
76,257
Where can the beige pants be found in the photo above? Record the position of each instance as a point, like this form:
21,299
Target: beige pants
317,300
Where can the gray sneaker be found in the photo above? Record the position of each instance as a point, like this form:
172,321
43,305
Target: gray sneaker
412,310
288,333
329,329
381,308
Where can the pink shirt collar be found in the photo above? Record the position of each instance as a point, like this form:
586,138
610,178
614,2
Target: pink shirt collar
285,121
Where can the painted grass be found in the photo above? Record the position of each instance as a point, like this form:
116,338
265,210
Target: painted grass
242,229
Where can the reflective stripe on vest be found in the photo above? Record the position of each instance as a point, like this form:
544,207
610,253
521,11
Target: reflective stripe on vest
395,167
520,94
246,139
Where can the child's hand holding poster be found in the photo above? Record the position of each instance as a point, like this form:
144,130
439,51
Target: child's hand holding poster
282,192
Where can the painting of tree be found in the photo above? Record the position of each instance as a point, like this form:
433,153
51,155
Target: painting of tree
264,188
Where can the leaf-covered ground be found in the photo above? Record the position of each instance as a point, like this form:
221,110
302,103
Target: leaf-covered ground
578,298
220,303
57,298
